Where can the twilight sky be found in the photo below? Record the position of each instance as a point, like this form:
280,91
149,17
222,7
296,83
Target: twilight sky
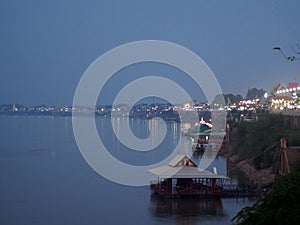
45,46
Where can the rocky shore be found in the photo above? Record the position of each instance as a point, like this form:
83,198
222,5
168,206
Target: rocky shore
262,177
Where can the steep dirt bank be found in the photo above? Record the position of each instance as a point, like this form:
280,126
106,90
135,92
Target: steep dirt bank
259,177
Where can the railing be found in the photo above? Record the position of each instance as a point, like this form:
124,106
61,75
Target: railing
205,191
190,190
153,182
286,112
200,190
161,189
291,113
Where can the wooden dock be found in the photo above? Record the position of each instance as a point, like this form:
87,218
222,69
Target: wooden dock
239,191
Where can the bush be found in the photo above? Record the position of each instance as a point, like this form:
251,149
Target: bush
256,137
281,206
257,162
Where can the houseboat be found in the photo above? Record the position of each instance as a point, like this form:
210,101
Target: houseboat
182,178
204,137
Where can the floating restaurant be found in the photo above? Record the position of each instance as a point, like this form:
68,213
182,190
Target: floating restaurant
181,177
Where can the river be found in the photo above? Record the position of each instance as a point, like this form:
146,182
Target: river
45,180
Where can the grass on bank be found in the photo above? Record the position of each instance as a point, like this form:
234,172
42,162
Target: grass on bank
259,140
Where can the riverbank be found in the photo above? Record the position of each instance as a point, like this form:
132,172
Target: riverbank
262,177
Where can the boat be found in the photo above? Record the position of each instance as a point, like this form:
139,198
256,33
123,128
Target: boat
204,137
181,177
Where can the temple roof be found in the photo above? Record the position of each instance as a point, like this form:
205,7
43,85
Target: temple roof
183,167
181,160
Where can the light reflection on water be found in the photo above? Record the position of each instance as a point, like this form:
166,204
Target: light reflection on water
44,180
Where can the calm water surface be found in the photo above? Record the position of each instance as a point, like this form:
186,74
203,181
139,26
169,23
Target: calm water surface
45,180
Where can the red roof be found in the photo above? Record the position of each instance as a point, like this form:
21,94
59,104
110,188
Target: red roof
293,85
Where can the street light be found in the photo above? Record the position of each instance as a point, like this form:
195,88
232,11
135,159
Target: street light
291,58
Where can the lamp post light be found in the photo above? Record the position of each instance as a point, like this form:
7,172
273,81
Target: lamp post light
291,58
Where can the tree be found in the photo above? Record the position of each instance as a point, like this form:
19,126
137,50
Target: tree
254,93
227,99
281,206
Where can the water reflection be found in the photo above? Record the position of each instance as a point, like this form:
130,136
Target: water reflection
187,210
237,177
41,169
160,146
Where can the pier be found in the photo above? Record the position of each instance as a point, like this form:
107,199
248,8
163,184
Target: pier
240,191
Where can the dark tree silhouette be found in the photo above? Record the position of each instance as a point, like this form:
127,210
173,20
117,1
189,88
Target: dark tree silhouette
281,206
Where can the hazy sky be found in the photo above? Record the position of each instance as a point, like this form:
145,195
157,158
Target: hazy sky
45,46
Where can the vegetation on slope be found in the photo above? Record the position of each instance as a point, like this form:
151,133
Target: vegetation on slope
281,206
259,140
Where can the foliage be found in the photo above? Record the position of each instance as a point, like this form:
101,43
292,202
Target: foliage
258,136
294,137
297,167
254,93
281,206
257,161
227,99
